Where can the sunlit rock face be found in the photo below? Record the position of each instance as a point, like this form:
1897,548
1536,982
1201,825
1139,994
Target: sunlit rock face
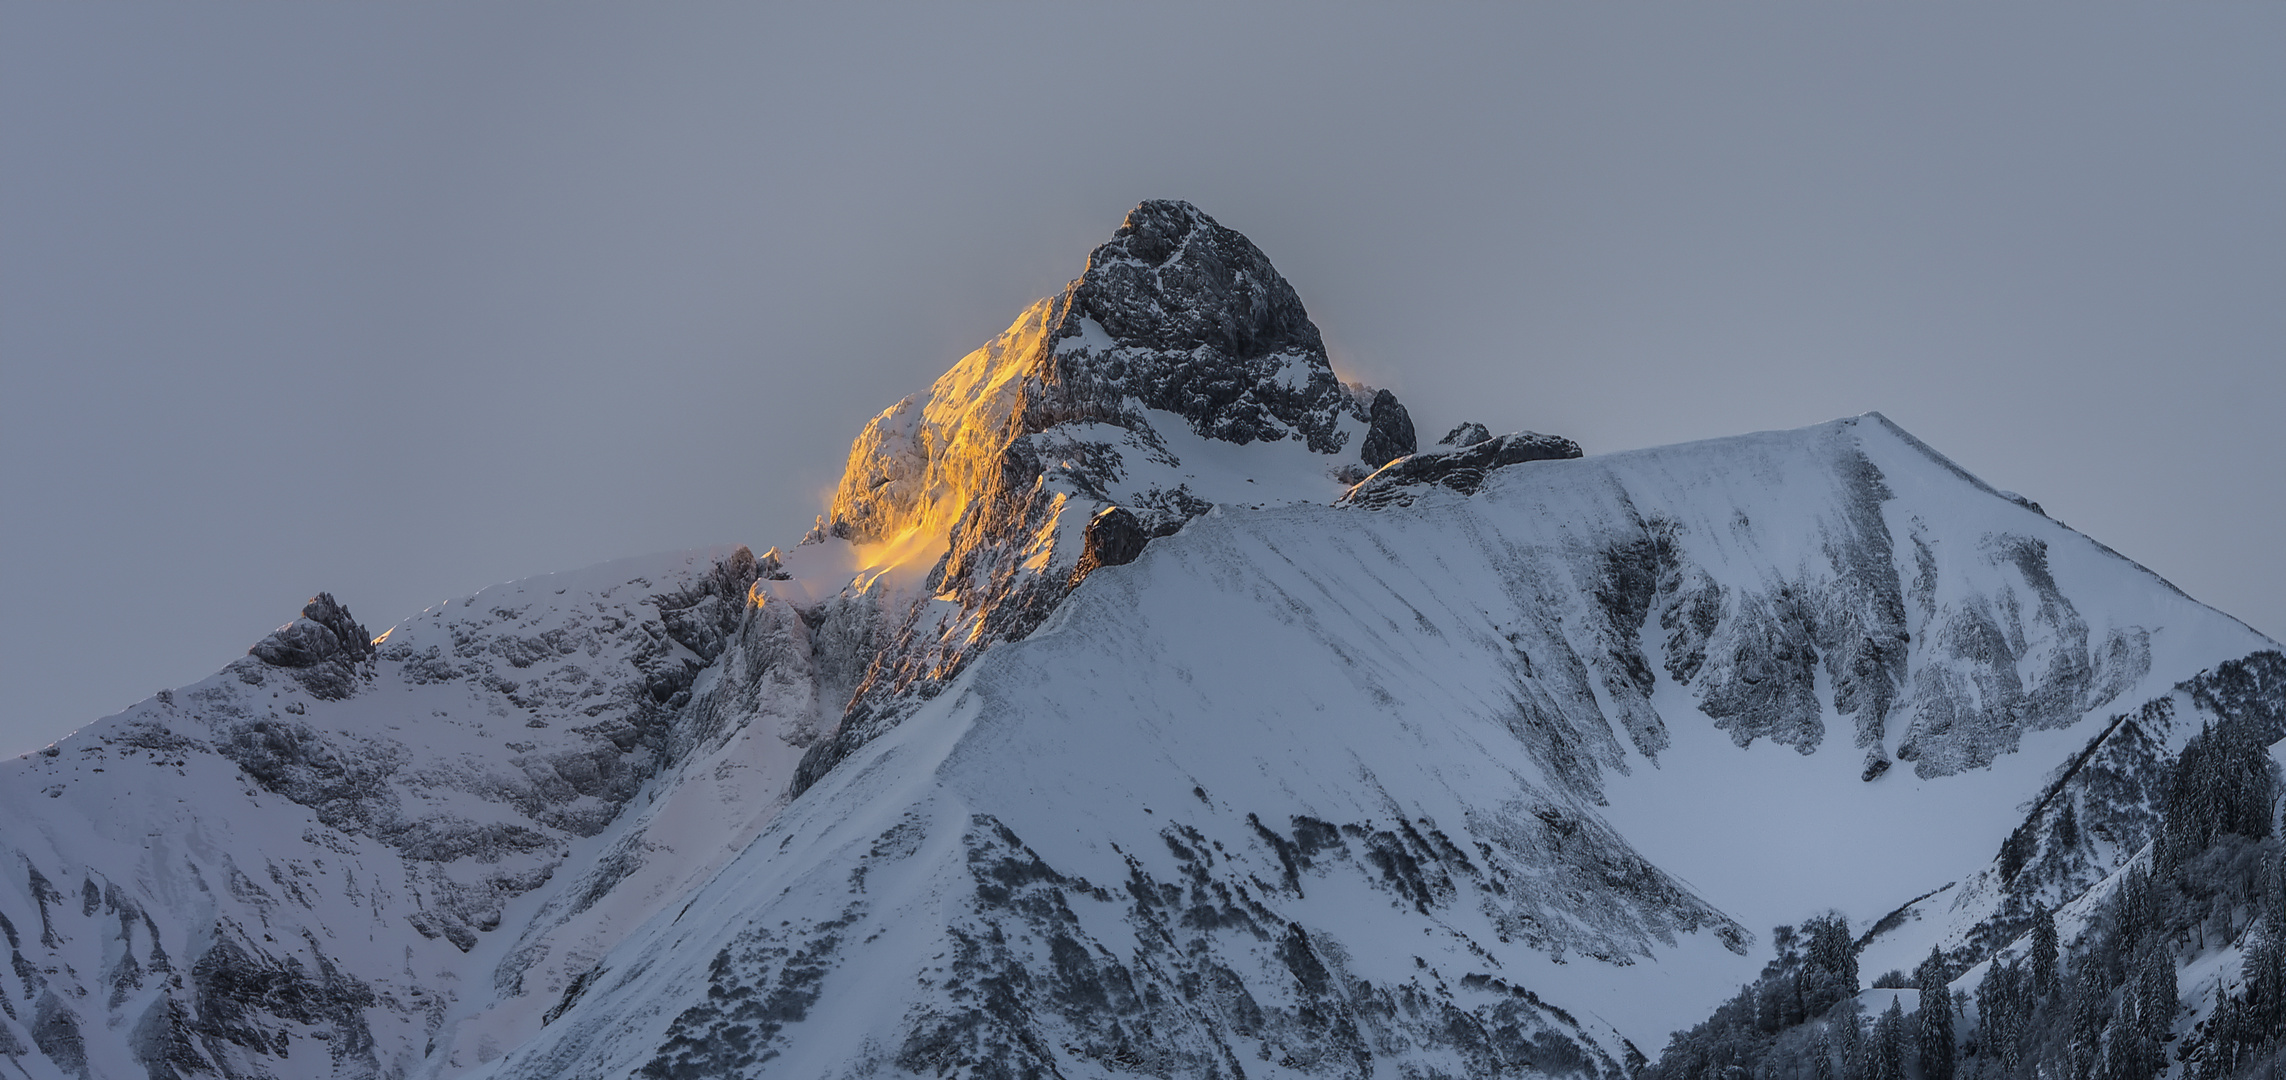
1499,768
1147,702
1180,336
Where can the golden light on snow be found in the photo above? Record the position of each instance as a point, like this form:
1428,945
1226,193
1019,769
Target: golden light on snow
915,469
914,550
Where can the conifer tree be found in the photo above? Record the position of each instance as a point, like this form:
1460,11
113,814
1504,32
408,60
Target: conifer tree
2086,999
2158,997
2000,1007
1832,948
2046,955
1850,1042
2265,975
1934,1032
1888,1043
2271,900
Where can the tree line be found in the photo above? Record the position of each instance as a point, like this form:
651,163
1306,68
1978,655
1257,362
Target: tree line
2105,1007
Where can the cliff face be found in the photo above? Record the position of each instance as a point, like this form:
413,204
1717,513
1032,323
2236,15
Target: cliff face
1468,782
1145,703
1179,371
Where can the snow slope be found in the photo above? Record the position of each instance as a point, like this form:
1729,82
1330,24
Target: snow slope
1108,724
274,873
1307,788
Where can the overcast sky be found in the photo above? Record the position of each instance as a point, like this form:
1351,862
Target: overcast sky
398,301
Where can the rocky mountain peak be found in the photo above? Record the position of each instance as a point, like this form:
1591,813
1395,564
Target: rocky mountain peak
1180,314
1179,330
1175,280
1490,767
325,631
321,649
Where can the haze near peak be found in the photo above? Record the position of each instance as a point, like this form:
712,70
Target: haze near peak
396,302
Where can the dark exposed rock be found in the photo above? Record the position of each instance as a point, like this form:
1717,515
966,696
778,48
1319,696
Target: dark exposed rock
1388,433
321,650
1203,327
1176,314
245,998
45,895
1466,433
1114,538
572,994
760,984
163,1042
1631,578
1173,279
1461,470
324,632
1213,978
703,616
56,1032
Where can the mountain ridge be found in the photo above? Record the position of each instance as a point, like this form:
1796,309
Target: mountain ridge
1265,853
1095,730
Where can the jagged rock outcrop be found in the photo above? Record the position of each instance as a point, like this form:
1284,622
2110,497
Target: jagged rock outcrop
1179,330
322,648
1114,538
324,632
267,874
1461,786
1461,469
1185,316
1388,433
1465,433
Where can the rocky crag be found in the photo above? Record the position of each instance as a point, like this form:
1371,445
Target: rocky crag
1059,447
1147,702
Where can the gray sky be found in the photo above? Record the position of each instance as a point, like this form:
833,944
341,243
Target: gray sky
398,301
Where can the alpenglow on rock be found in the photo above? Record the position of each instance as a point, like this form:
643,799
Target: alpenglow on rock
1181,335
1126,716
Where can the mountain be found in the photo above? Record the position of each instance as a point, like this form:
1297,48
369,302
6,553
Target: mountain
1147,701
1179,372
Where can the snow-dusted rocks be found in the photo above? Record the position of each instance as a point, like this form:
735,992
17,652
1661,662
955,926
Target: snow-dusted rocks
1492,782
1462,468
1180,371
1465,433
269,875
1115,720
1114,538
1195,321
323,648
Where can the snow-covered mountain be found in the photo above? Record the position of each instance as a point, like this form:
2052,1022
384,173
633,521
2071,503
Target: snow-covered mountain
1147,701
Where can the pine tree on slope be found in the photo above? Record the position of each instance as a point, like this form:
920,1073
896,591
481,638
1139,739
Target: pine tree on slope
1934,1030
